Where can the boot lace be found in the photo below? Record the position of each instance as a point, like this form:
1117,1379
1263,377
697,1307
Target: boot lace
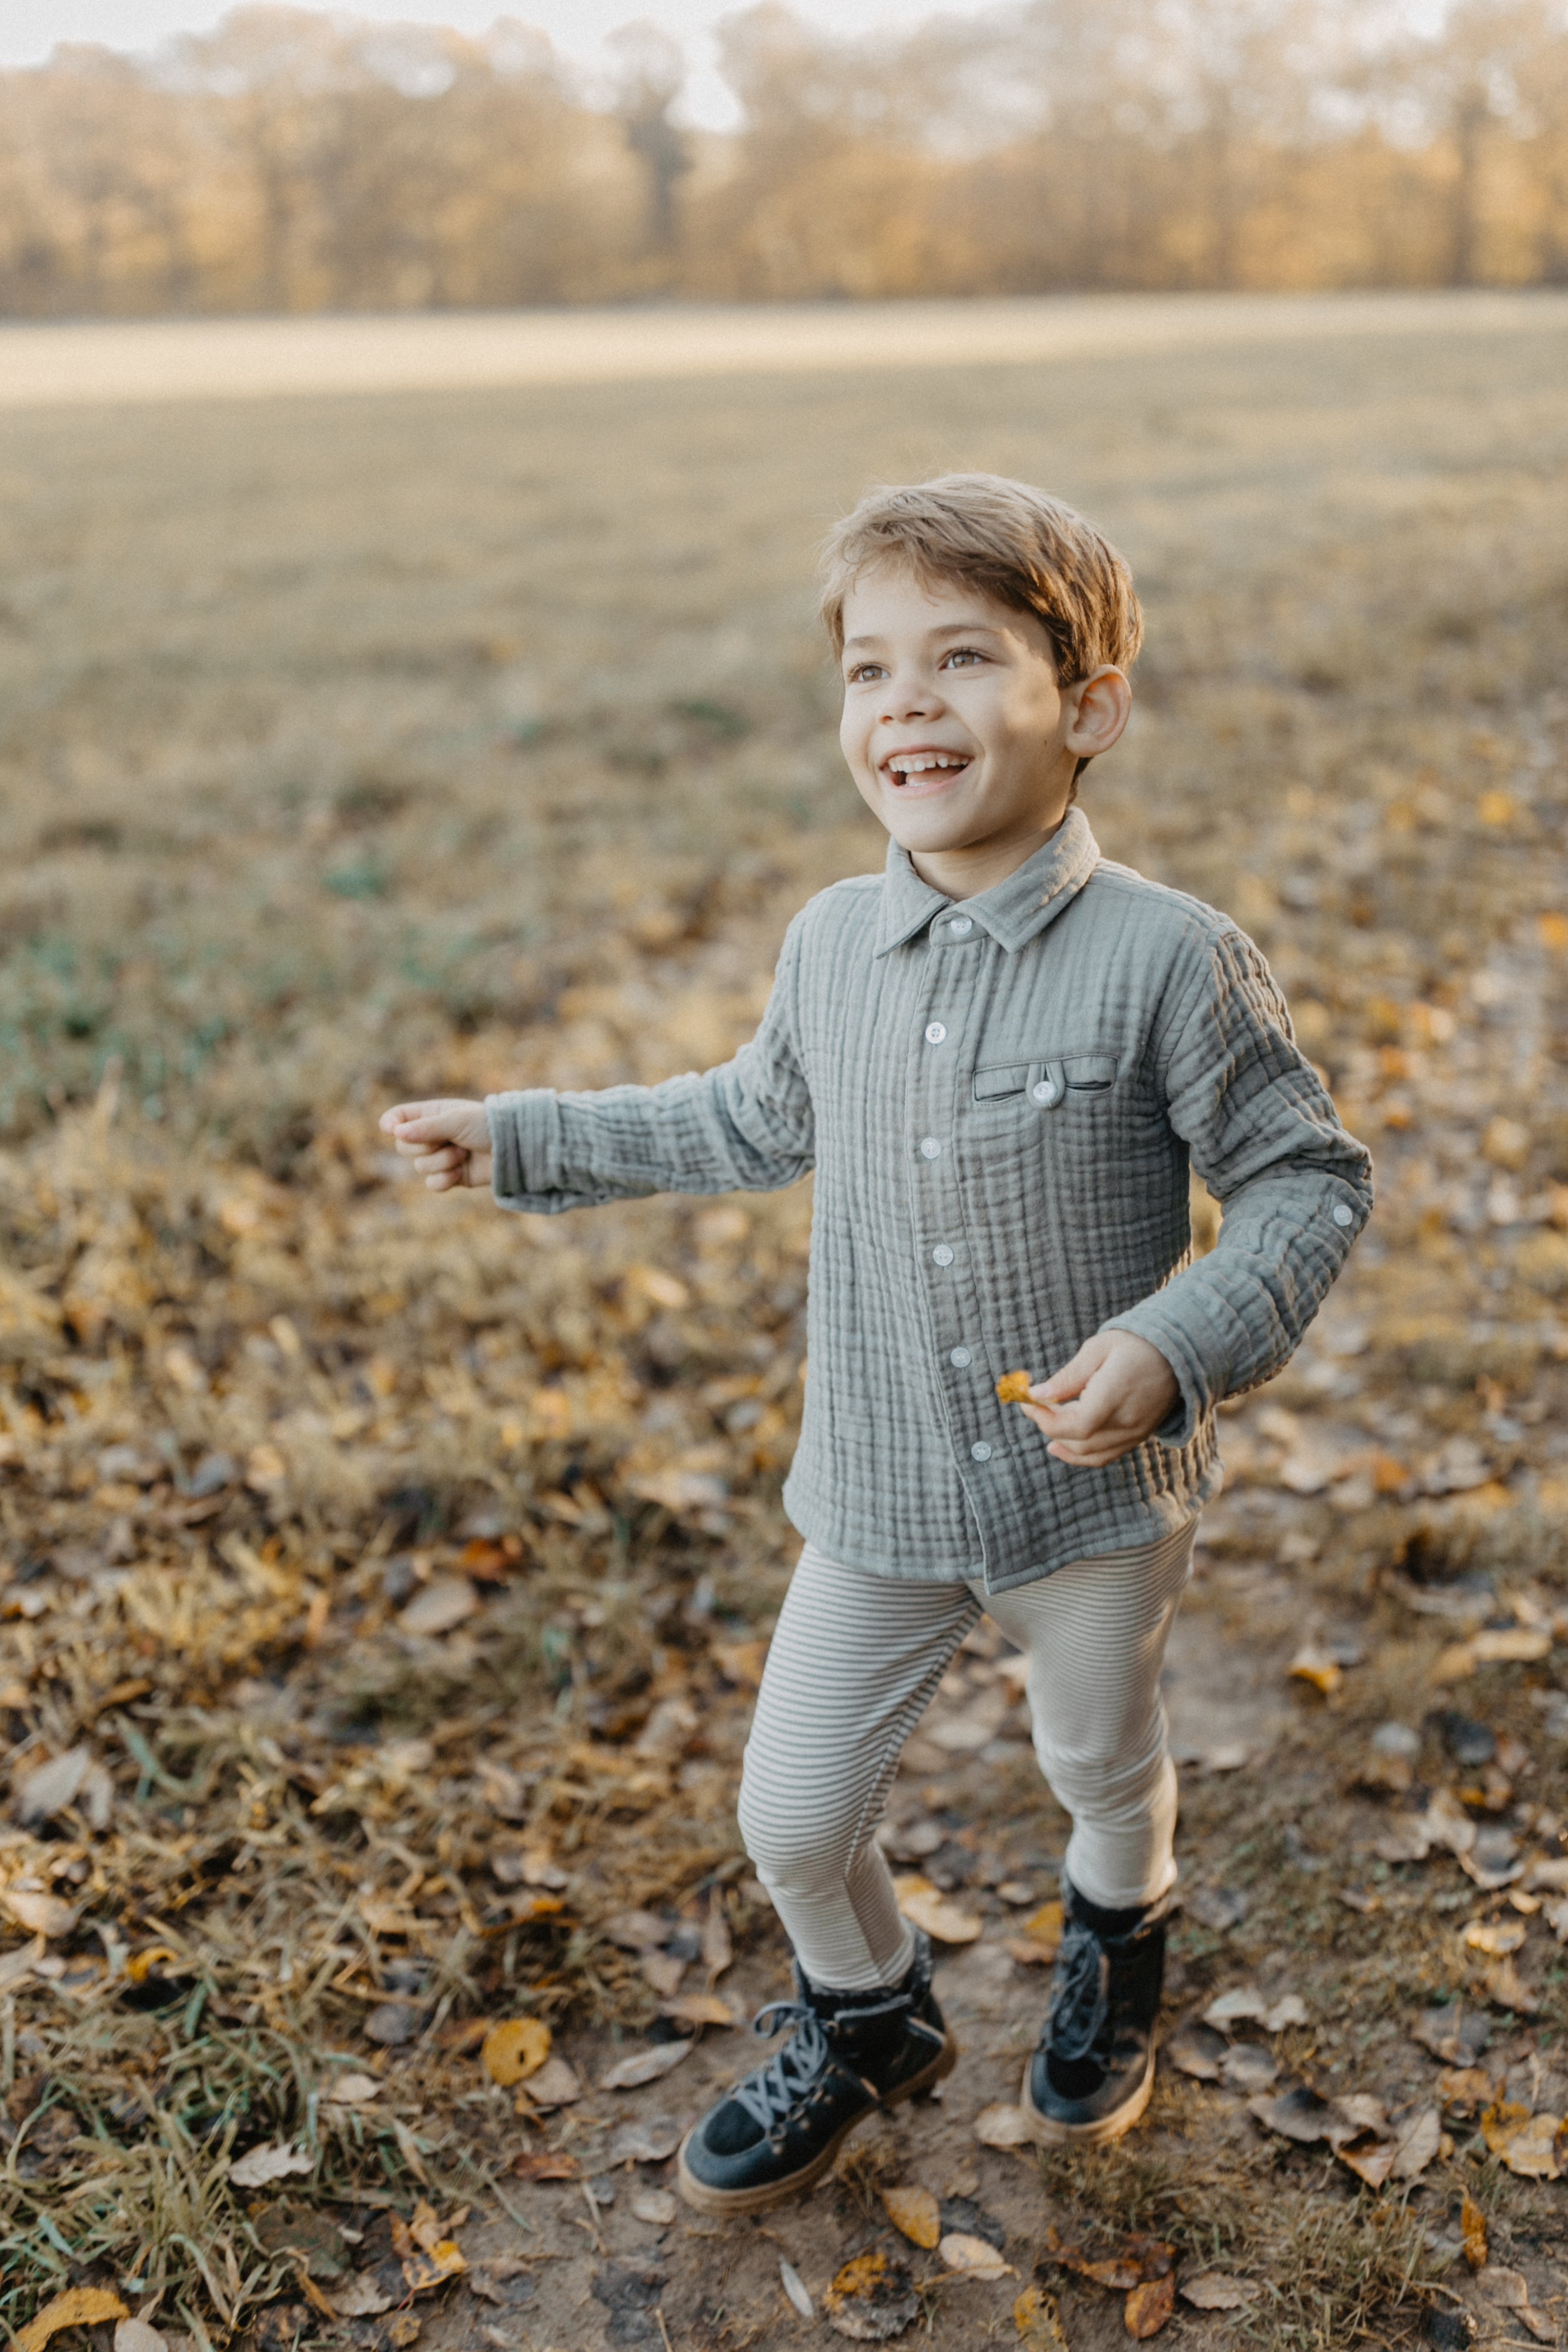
775,2090
1081,1995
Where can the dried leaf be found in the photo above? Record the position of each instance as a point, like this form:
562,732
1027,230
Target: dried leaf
794,2286
914,2211
514,2049
872,2300
698,2009
662,1970
1299,2114
654,2206
1453,2034
973,2257
648,2139
365,2297
741,1661
1473,2233
1496,1936
555,2085
637,1931
1313,1665
1464,2086
79,2306
1196,2049
1527,2144
1419,2137
1038,2322
1013,1388
272,2161
1247,2066
1136,2261
136,2336
1368,2157
353,2090
1509,1645
943,1922
1003,2125
1148,2307
46,1915
1245,2004
645,2065
1217,2291
718,1945
53,1786
445,1601
546,2164
426,2260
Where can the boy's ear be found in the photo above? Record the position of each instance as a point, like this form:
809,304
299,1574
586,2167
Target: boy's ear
1104,705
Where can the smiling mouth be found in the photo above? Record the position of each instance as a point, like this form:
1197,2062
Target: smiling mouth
909,770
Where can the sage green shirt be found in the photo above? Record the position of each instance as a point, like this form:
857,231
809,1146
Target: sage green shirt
1001,1099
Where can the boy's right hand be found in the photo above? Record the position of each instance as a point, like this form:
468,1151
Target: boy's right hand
448,1142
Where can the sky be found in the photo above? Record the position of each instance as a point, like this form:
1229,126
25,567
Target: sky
29,29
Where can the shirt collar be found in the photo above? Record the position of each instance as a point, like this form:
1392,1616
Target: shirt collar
1011,912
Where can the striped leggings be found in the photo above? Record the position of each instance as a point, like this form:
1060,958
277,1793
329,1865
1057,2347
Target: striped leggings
854,1664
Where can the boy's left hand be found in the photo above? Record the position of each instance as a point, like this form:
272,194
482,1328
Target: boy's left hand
1115,1391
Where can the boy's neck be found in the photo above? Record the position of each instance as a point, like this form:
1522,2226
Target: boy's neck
964,873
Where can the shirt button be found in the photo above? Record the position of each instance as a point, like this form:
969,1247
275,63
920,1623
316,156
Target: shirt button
981,1452
935,1033
962,1358
1343,1216
941,1254
961,926
1044,1091
929,1148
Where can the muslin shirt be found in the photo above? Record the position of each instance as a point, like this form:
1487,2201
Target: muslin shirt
1000,1098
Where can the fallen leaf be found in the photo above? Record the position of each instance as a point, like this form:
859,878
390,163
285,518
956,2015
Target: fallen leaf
1527,2144
654,2206
1496,1936
365,2297
1196,2049
1503,1984
1038,2322
1003,2126
1313,1665
136,2336
555,2085
914,2211
1042,1929
53,1786
973,2257
645,2065
393,2023
662,1970
1013,1388
1137,2260
718,1945
1217,2291
1453,2034
46,1915
1247,2066
1244,2004
1464,2086
1299,2114
637,1931
1368,2157
353,2090
272,2161
1148,2307
1473,2233
546,2164
515,2049
1507,1644
741,1661
871,2299
427,2260
698,2009
794,2286
647,2140
443,1603
928,1908
79,2306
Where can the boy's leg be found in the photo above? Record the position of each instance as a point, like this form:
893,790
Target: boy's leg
1095,1635
853,1661
852,1668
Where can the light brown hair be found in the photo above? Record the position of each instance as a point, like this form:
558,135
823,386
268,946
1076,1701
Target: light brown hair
1013,541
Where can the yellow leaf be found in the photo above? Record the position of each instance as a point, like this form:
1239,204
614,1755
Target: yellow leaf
1013,1388
1038,2322
515,2049
1149,2307
425,2267
140,1964
929,1908
79,2306
1473,2230
914,2211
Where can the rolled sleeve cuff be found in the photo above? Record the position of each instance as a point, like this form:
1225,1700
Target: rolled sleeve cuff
1153,1320
525,1143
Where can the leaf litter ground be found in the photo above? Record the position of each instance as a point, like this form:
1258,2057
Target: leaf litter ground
386,1583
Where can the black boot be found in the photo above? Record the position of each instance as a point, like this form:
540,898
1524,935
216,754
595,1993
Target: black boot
779,2130
1089,2079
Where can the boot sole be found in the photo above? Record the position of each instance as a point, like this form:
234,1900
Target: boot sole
1050,2133
707,2199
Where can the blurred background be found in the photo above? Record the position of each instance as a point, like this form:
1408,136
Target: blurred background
287,159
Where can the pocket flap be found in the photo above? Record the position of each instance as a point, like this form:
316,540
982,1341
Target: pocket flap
1091,1070
1001,1079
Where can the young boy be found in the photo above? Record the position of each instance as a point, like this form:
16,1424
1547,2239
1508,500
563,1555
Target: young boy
1000,1058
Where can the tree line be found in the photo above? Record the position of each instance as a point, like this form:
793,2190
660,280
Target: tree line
293,161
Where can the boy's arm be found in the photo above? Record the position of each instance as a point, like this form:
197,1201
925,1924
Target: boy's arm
746,1126
1294,1187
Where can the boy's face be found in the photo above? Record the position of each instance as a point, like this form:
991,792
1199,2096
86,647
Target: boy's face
953,725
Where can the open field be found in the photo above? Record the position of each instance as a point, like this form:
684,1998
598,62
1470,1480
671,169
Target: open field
439,739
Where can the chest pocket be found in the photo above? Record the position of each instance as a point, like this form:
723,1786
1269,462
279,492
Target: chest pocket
1048,1083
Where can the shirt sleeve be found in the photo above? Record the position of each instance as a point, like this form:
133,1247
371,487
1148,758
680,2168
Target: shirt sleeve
1294,1187
746,1126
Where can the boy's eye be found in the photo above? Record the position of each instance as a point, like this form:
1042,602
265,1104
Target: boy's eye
862,671
967,654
